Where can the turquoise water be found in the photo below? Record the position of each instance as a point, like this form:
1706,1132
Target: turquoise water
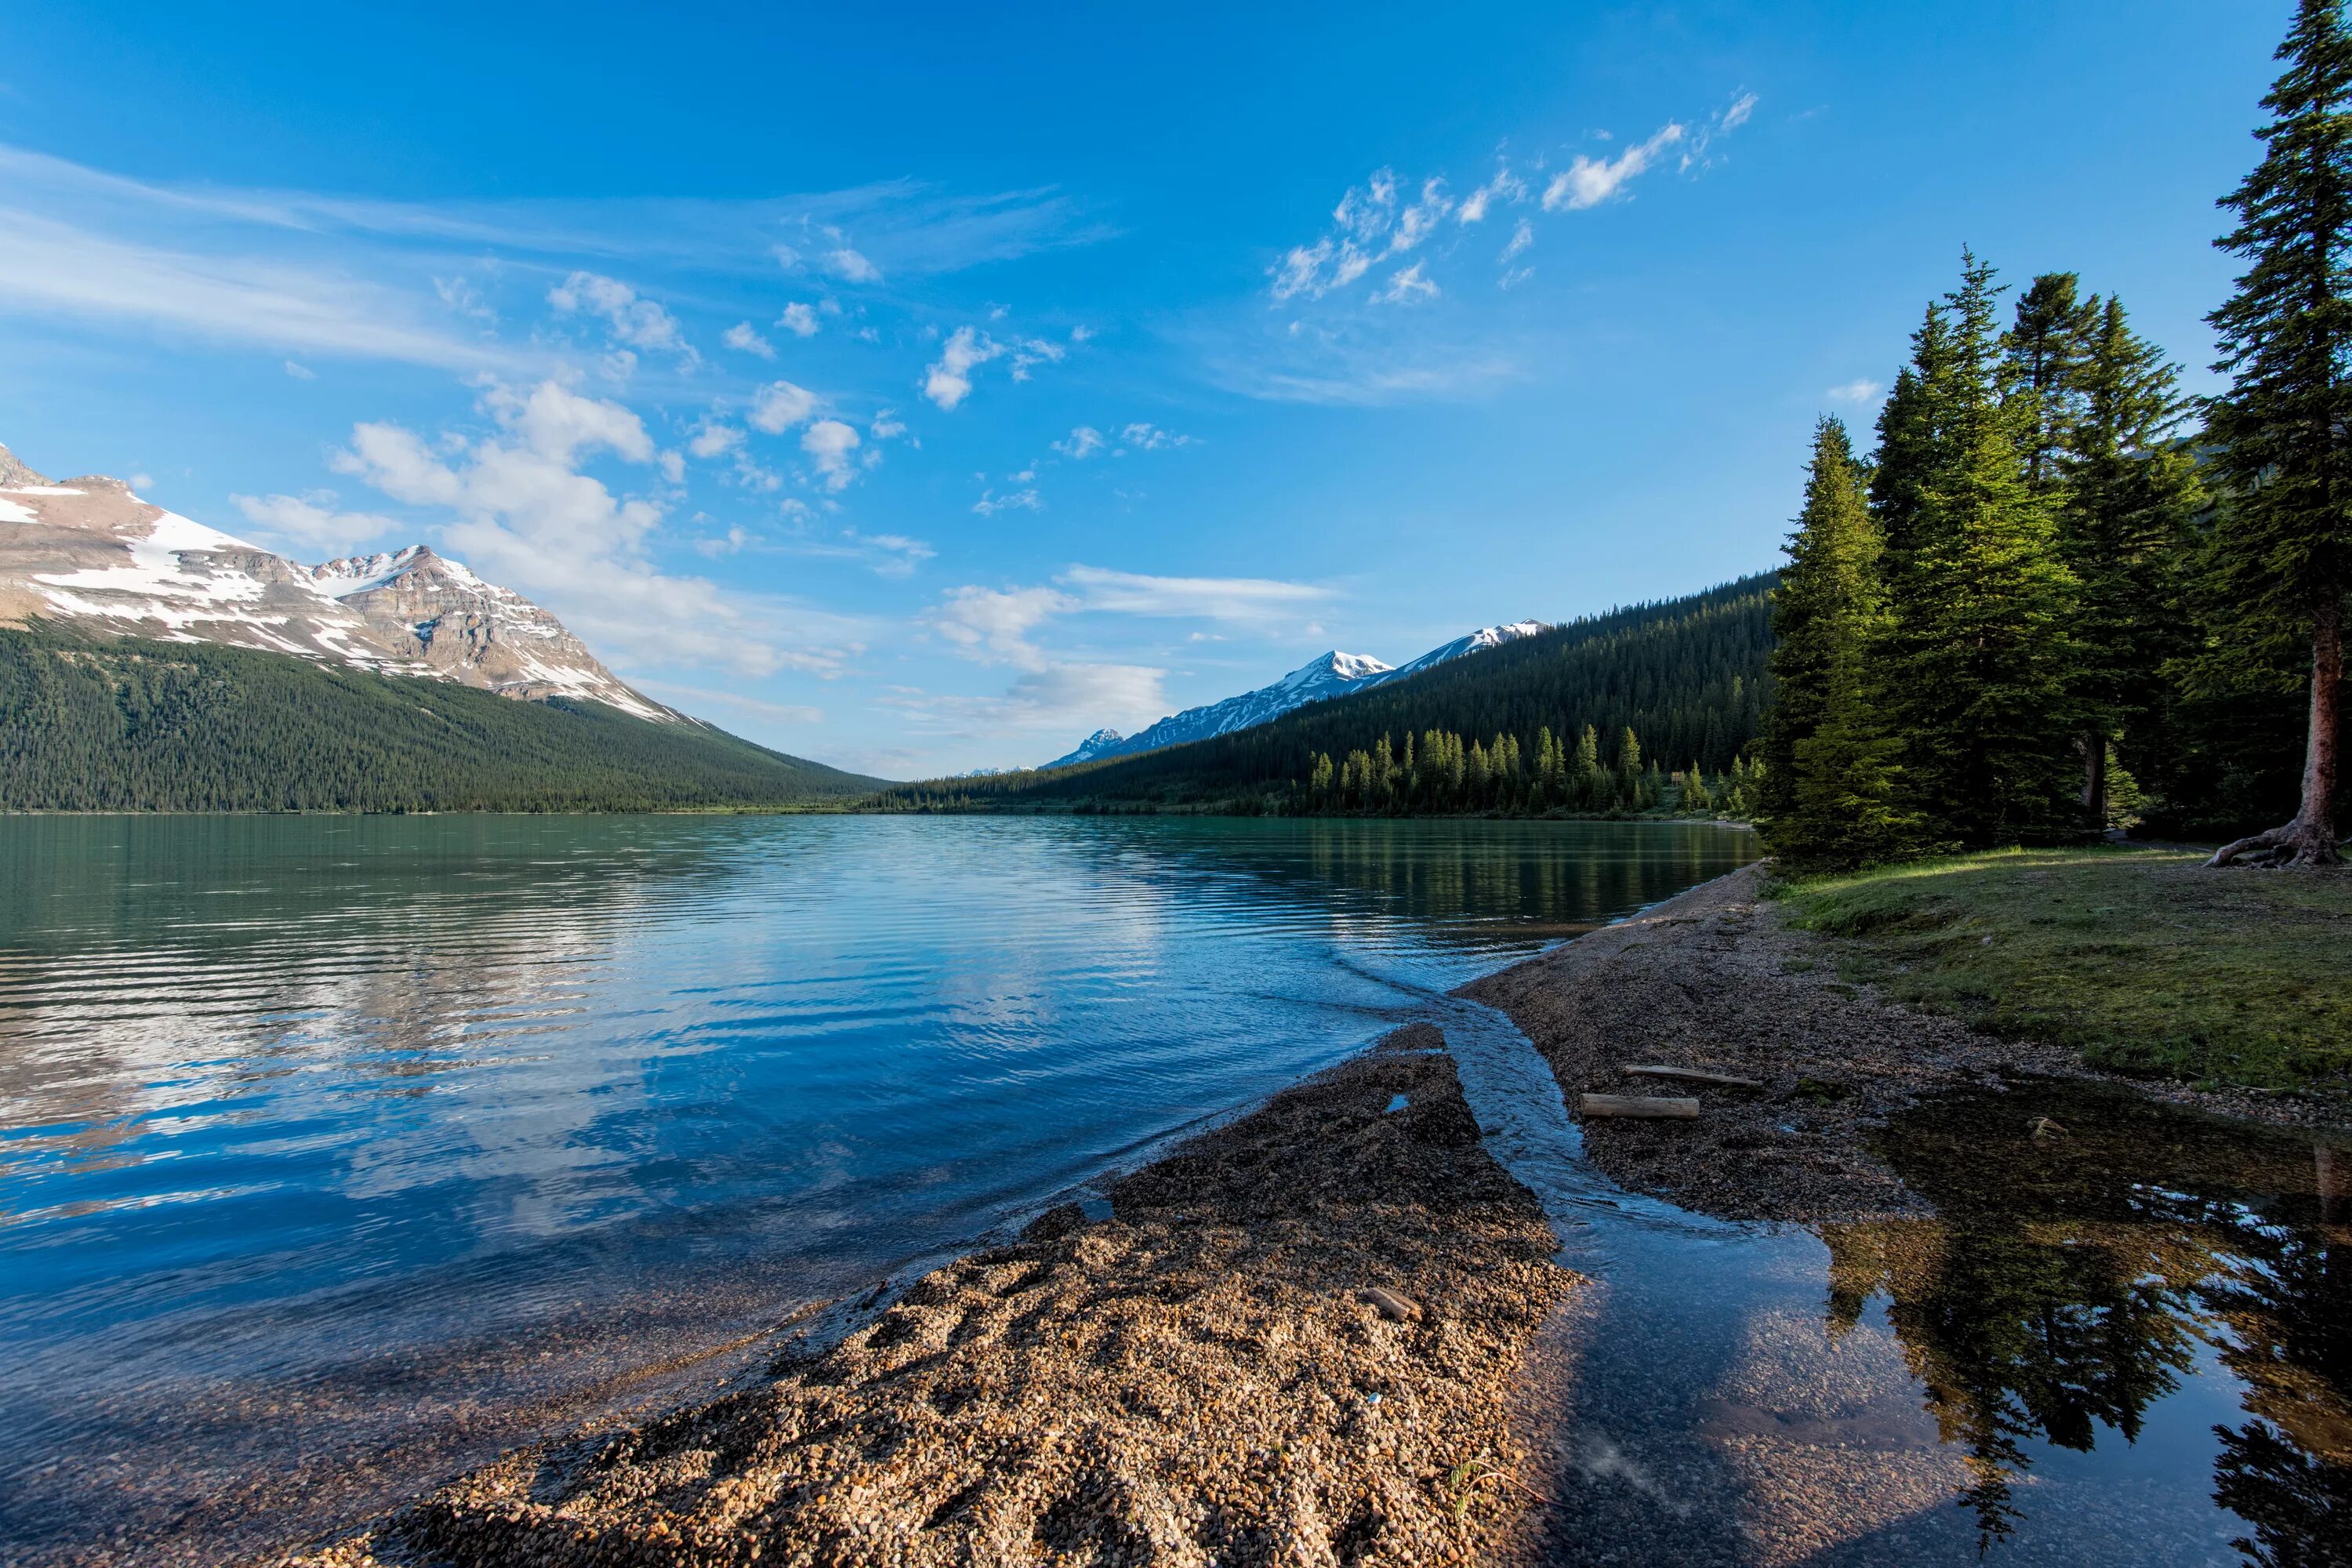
336,1152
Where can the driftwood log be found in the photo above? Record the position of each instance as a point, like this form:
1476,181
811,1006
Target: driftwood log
1634,1105
1693,1075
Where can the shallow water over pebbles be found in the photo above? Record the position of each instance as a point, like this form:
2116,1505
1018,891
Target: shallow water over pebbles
2126,1339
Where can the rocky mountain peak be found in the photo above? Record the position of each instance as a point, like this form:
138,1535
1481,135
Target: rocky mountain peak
14,473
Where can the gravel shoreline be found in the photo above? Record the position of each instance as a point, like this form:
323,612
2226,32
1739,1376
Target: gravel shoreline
1715,979
1293,1342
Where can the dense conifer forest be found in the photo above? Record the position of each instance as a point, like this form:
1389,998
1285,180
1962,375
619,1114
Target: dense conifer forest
2060,597
96,724
1652,707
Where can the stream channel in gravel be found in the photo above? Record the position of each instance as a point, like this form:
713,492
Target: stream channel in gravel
2135,1349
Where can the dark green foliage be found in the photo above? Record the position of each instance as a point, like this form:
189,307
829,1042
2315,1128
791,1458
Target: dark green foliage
1489,733
1829,786
2280,558
96,724
2129,500
1978,651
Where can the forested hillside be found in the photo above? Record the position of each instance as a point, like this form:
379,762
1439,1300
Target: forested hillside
97,724
1539,724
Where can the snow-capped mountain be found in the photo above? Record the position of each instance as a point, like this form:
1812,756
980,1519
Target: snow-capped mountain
90,550
1098,745
1335,674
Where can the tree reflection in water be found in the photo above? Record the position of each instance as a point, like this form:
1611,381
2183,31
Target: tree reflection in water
2074,1275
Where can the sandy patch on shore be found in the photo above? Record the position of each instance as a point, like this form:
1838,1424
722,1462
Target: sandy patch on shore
1715,979
1194,1379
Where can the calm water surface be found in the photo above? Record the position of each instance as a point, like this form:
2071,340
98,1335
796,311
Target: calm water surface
338,1152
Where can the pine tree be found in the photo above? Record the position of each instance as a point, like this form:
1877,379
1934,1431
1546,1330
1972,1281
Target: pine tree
2131,494
2281,556
1828,608
1912,445
1980,650
2046,349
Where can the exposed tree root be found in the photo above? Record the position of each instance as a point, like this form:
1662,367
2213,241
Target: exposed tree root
2294,845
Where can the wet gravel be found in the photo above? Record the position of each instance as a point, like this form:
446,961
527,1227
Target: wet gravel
1292,1342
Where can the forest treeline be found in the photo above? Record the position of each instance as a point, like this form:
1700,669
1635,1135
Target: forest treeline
1547,723
2059,596
101,725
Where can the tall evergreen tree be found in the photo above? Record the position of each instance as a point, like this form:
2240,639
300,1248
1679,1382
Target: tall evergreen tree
1829,616
2281,555
1911,442
2047,347
1980,600
2131,494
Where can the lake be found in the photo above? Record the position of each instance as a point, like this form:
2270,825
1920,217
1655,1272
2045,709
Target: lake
340,1153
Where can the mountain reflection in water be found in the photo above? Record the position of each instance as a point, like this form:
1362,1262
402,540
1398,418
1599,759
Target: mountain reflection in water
2091,1246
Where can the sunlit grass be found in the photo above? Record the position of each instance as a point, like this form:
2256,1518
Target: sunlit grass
2140,959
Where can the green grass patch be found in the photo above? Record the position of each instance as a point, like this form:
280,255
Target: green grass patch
2140,959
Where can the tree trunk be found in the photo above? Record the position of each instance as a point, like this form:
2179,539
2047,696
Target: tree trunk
2094,780
2310,838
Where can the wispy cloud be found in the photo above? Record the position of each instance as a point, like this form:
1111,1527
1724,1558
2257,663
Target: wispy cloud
48,266
1378,221
1249,600
1588,181
1859,390
330,276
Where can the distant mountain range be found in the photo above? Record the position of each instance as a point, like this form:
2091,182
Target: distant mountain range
1335,674
88,552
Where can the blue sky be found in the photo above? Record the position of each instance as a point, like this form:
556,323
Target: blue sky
917,388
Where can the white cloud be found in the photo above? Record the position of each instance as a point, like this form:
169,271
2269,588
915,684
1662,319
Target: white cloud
947,381
1588,181
989,503
1522,236
992,625
310,521
1860,390
1733,118
522,514
638,323
1419,220
715,439
1505,187
1147,438
741,337
829,443
1084,442
798,319
887,425
1256,600
779,406
1406,285
300,372
558,422
847,264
